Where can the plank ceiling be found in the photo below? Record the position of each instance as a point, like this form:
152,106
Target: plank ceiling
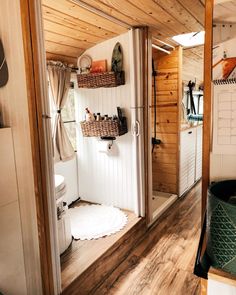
71,29
225,12
193,65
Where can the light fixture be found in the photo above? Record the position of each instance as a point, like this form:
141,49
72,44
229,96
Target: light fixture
160,48
190,39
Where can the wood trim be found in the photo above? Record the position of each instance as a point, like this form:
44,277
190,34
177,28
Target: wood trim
203,287
32,65
221,276
146,95
207,103
180,94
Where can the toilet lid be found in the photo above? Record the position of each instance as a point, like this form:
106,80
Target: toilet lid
59,183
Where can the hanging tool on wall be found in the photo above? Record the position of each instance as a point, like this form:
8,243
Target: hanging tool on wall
155,140
191,86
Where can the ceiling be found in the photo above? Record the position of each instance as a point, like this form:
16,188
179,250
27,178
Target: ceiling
225,12
70,29
193,61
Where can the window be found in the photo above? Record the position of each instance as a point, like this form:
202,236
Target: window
190,39
68,116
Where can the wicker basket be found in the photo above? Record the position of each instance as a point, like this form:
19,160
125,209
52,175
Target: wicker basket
104,128
96,80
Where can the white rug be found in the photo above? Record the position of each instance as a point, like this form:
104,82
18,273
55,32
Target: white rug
95,221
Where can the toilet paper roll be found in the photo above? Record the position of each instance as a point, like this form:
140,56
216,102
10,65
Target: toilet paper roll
105,146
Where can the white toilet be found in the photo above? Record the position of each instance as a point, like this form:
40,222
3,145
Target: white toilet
63,218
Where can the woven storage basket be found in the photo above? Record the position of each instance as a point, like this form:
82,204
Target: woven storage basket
96,80
107,128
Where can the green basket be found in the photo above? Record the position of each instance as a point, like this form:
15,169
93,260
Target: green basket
221,225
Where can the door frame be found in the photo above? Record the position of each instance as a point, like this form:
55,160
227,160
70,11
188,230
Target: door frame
41,143
207,104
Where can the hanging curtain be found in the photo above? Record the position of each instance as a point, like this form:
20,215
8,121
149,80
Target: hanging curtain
59,80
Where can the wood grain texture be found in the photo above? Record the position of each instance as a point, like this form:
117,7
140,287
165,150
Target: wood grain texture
225,12
207,103
221,276
165,18
163,262
40,146
82,254
167,121
107,260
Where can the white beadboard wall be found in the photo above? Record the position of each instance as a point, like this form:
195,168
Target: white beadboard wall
107,179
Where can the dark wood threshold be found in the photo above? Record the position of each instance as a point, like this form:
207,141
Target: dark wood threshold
94,275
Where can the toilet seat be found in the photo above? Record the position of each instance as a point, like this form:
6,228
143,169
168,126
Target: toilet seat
60,186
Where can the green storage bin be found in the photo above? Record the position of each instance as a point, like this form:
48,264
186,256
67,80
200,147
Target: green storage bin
221,225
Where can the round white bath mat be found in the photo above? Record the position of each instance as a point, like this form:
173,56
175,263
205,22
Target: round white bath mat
95,221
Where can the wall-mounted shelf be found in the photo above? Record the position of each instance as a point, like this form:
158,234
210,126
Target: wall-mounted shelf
110,128
97,80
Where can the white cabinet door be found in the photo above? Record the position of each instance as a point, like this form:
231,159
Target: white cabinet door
191,143
183,171
187,159
198,171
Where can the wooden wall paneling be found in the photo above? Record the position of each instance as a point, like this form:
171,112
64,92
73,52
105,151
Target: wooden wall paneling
207,102
165,156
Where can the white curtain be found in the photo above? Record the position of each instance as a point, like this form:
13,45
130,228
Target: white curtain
59,80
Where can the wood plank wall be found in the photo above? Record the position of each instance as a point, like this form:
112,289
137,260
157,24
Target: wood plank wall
165,156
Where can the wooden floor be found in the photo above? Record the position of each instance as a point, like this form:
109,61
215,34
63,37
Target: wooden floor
163,262
82,254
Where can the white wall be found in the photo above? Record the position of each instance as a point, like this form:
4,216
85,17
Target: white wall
107,179
215,287
11,246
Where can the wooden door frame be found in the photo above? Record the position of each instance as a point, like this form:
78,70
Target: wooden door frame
34,64
209,4
40,156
